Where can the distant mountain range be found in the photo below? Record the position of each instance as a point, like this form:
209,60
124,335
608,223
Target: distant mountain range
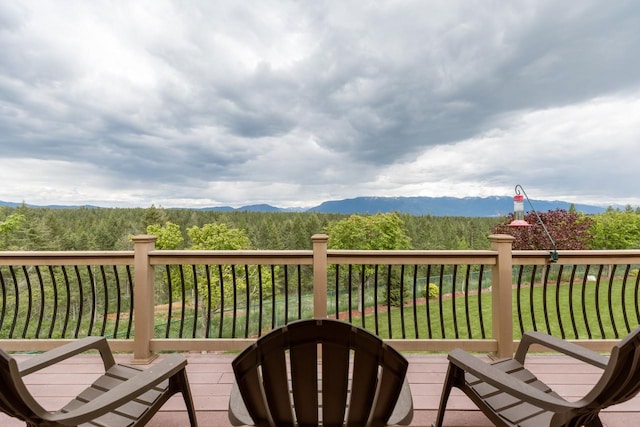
436,206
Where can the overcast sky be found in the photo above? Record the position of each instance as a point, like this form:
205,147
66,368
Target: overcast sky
291,103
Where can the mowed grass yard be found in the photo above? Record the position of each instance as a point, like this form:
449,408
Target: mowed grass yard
571,312
578,312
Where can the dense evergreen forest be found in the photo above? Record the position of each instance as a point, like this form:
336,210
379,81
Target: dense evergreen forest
111,228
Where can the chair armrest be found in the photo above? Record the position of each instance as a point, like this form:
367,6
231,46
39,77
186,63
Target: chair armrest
66,351
568,348
122,393
238,413
403,411
506,383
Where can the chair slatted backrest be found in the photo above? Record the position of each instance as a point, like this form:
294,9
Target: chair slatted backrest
11,401
621,378
272,398
619,382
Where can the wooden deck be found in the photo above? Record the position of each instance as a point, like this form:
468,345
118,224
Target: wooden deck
211,377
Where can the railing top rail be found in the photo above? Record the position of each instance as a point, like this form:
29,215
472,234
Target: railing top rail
584,257
66,258
305,257
161,257
412,257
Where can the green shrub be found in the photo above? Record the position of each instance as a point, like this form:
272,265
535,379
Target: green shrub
393,294
431,292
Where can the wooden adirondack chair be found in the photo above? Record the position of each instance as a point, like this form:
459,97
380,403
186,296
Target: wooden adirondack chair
123,396
362,380
510,395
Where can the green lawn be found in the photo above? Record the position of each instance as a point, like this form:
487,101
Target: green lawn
599,322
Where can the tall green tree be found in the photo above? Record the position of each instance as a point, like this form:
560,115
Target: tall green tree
218,237
227,279
10,224
168,236
154,216
383,231
34,233
616,230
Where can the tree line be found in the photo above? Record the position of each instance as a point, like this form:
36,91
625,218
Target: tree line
37,229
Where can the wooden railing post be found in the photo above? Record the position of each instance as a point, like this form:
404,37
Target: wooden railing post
501,294
319,275
144,300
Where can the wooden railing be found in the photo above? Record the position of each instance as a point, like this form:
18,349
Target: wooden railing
146,301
